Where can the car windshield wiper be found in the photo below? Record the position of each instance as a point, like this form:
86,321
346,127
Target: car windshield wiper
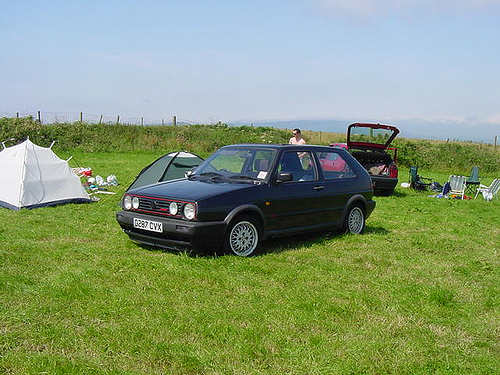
212,176
243,178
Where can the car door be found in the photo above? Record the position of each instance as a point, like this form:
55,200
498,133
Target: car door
298,202
339,183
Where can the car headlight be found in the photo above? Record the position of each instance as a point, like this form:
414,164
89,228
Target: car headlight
127,202
135,203
189,211
173,208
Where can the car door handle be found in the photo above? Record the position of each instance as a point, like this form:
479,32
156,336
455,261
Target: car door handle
318,187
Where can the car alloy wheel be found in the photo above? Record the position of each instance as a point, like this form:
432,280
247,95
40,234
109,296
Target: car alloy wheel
355,220
243,237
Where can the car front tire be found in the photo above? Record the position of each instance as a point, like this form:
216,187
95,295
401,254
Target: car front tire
354,220
243,237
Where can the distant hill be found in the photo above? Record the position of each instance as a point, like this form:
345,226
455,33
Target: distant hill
410,128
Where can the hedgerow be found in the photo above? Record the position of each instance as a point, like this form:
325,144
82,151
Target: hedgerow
454,157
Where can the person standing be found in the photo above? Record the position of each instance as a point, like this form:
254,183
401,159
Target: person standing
297,138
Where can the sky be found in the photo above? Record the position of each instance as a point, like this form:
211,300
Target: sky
432,67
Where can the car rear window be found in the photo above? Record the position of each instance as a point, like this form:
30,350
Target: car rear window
334,166
369,135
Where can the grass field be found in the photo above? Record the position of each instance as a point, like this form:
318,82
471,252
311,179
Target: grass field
418,293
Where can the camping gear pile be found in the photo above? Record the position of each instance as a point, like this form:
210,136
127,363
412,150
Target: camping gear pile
456,186
95,184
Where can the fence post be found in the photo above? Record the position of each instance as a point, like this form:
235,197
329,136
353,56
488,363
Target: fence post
17,114
39,117
142,121
174,120
496,136
162,122
100,120
118,120
81,116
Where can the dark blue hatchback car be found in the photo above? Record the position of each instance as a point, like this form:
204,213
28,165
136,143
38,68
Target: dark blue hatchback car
244,194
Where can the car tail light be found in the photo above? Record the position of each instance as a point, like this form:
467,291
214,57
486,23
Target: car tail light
393,171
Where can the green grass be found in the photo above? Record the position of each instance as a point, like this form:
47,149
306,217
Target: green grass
418,293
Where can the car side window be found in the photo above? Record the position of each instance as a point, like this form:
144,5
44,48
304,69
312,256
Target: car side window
299,164
334,166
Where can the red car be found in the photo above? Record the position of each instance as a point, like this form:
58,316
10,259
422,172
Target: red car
331,162
369,144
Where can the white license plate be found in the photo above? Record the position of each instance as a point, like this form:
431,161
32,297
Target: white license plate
152,226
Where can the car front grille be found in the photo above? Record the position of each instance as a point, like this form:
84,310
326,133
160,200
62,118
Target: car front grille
150,204
159,206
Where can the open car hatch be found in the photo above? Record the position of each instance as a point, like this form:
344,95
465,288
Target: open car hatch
370,136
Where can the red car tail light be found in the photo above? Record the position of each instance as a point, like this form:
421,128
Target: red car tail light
393,171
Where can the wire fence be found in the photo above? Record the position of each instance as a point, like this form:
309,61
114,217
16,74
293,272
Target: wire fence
69,117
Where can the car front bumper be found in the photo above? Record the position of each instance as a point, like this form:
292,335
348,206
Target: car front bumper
176,234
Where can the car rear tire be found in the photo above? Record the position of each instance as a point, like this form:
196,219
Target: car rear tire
243,236
354,221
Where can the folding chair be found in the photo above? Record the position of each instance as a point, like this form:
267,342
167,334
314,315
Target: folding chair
473,180
457,185
416,181
489,191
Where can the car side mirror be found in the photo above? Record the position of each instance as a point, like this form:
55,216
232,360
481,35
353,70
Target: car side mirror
284,177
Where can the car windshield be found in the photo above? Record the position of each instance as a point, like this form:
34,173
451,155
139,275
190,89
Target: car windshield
237,165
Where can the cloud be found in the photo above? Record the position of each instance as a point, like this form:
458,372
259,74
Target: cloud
432,118
375,8
493,119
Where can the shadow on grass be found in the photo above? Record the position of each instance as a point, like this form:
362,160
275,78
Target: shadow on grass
271,246
275,245
282,244
189,253
400,194
376,230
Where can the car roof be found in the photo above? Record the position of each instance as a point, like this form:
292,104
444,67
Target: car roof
278,146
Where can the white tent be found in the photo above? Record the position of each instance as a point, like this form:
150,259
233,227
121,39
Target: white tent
32,176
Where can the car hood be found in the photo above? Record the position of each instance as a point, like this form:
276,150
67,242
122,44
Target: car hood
370,136
189,190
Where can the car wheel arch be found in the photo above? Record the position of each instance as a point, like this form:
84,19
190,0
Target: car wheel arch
247,209
355,199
